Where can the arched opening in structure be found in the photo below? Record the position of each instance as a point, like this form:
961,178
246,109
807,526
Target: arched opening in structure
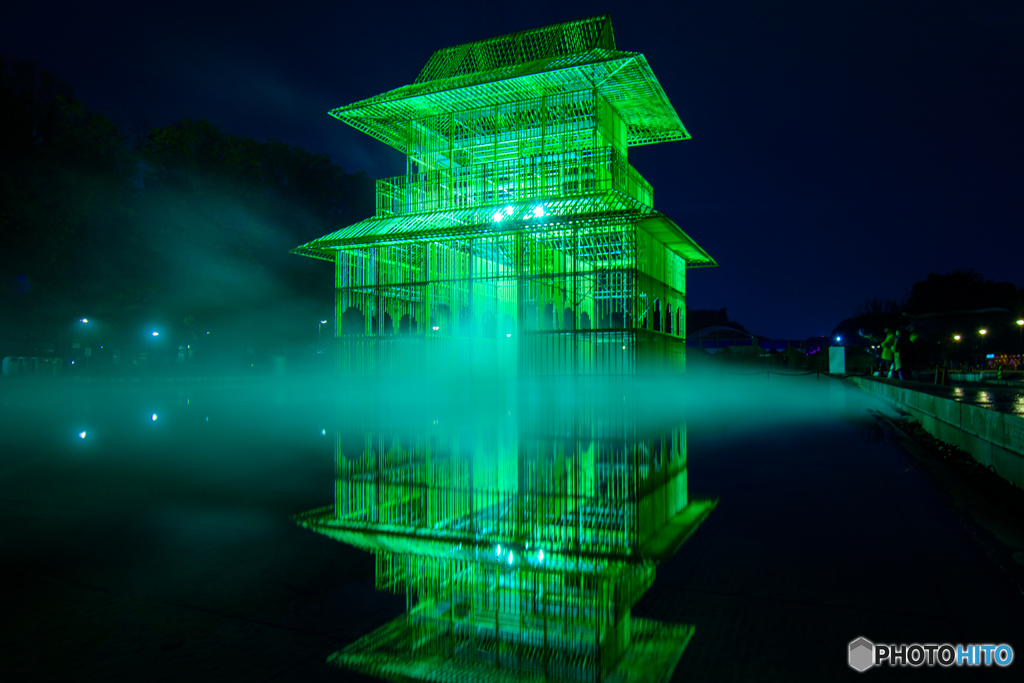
406,324
352,322
547,321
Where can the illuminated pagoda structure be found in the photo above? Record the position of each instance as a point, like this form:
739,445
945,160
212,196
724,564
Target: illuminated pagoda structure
519,224
520,245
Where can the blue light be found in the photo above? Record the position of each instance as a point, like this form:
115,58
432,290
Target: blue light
85,320
81,435
154,417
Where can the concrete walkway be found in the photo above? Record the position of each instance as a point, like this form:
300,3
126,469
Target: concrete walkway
1005,399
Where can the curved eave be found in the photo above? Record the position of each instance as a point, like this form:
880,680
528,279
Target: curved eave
441,226
625,79
665,230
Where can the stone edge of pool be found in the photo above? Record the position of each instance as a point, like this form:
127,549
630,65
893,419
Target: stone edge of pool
992,438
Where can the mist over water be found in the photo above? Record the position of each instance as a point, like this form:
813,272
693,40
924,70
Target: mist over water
224,432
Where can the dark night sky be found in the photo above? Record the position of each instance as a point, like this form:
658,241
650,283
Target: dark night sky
840,151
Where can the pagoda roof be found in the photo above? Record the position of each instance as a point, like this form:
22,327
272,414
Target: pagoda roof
566,57
479,223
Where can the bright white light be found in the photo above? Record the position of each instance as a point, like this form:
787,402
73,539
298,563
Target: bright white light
540,556
324,432
509,334
538,211
982,331
839,338
323,322
156,334
509,210
510,557
435,328
497,217
623,348
497,551
81,435
85,320
154,417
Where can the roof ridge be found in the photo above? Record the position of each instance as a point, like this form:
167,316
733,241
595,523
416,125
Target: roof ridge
520,47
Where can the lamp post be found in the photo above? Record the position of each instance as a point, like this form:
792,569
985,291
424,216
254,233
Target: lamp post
1020,345
956,353
321,324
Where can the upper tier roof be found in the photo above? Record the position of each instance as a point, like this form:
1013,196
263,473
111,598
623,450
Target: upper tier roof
564,57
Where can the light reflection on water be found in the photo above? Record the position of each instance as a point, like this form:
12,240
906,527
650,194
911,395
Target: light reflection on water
521,525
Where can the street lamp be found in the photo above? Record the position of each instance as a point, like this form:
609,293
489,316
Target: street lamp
981,349
1020,345
322,323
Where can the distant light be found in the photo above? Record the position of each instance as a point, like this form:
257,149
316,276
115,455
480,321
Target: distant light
322,322
982,331
509,334
207,419
85,320
81,435
497,551
623,348
154,417
510,557
207,333
497,217
956,336
324,432
538,211
435,328
156,334
1020,322
509,210
540,556
991,355
839,339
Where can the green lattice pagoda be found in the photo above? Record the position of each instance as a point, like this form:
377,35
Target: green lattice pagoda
522,249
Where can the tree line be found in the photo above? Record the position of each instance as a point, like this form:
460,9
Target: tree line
179,225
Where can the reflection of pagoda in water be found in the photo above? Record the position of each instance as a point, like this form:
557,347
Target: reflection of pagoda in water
520,245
